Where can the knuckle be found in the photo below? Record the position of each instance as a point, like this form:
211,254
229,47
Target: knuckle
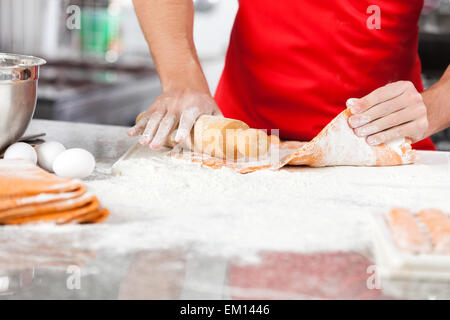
163,102
421,110
407,85
157,103
400,84
386,108
394,119
170,108
422,124
164,122
158,108
156,116
363,103
168,120
415,97
191,112
392,85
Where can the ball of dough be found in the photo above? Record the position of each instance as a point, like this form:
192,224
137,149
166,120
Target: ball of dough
74,163
253,143
214,135
21,151
47,153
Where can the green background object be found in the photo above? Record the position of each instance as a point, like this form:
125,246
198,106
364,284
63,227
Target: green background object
99,29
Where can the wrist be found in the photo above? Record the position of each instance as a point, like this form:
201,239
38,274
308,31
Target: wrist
436,99
184,75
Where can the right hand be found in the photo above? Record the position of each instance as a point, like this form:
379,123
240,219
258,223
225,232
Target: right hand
172,109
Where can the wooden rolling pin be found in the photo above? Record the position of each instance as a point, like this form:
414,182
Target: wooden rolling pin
223,138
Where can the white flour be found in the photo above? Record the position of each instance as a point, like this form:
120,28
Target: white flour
161,202
341,141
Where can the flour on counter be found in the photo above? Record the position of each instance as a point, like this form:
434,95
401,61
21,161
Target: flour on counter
160,202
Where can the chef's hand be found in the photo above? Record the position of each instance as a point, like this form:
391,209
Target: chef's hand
171,109
393,111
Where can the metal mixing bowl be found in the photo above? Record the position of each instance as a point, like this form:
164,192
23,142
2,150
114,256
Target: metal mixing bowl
18,84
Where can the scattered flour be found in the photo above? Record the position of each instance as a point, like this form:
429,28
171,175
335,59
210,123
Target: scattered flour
341,141
160,202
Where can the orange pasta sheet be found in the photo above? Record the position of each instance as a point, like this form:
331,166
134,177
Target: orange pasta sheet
335,145
29,194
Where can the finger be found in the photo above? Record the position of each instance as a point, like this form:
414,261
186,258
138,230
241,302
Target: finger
385,108
138,128
394,119
141,123
188,118
165,127
380,95
413,130
152,126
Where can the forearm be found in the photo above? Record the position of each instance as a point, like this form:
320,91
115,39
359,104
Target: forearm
437,100
168,29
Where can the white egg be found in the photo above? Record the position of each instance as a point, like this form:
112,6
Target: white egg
21,151
74,163
47,153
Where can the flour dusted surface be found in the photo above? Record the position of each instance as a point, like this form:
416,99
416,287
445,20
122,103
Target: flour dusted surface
160,202
174,202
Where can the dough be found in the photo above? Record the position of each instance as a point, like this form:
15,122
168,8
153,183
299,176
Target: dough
28,194
335,145
216,136
252,143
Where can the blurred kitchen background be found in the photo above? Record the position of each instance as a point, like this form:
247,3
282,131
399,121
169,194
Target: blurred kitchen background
103,73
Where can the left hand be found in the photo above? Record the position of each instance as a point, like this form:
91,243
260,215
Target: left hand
393,111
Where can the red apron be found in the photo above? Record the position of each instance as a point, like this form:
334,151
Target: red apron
292,64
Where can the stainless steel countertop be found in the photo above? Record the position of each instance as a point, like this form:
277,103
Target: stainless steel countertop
47,266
